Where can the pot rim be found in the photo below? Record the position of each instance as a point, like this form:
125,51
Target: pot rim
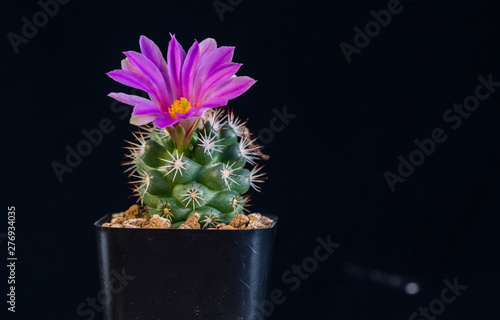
98,225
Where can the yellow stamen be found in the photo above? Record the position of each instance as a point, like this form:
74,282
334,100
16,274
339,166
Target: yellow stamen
180,106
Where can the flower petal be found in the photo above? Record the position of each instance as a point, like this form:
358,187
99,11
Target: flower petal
151,51
146,108
165,120
219,75
134,80
127,66
128,99
209,63
231,88
214,59
213,103
195,114
189,69
151,72
175,58
140,120
206,46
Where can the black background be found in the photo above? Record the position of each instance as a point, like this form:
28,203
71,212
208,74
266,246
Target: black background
326,171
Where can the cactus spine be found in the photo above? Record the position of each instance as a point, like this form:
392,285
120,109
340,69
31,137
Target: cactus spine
209,176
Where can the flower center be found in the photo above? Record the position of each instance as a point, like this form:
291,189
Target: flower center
180,106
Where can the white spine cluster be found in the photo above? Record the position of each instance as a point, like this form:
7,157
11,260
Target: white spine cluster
140,184
192,196
174,163
208,142
136,149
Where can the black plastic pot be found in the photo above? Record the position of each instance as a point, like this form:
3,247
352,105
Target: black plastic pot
150,274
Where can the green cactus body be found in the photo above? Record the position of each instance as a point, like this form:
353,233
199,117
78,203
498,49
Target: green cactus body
209,177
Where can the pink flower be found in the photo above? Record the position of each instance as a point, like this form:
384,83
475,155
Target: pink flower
182,87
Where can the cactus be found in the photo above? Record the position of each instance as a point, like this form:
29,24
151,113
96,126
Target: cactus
193,159
209,177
